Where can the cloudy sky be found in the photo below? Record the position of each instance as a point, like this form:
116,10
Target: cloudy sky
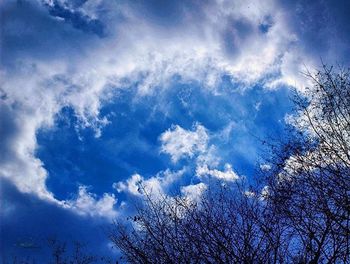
97,95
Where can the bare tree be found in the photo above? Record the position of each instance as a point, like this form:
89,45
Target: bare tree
310,186
303,216
227,225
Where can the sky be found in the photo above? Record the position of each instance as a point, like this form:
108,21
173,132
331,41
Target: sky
98,95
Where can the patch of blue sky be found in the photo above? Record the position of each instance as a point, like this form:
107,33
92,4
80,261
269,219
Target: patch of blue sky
130,142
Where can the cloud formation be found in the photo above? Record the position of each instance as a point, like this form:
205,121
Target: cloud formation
86,203
193,192
228,174
80,54
179,143
155,186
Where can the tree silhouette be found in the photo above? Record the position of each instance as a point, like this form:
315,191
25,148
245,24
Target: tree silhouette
228,225
310,188
302,215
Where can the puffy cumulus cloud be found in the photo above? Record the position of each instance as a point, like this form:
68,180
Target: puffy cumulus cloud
193,192
17,163
155,186
86,203
131,185
227,175
180,143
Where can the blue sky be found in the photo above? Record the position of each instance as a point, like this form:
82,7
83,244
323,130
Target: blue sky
97,95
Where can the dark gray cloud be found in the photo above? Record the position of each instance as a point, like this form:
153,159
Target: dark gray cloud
322,28
29,31
236,34
26,219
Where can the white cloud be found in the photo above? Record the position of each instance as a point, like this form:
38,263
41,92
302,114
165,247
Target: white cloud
87,203
18,142
292,66
193,192
228,174
210,157
154,186
131,185
180,143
